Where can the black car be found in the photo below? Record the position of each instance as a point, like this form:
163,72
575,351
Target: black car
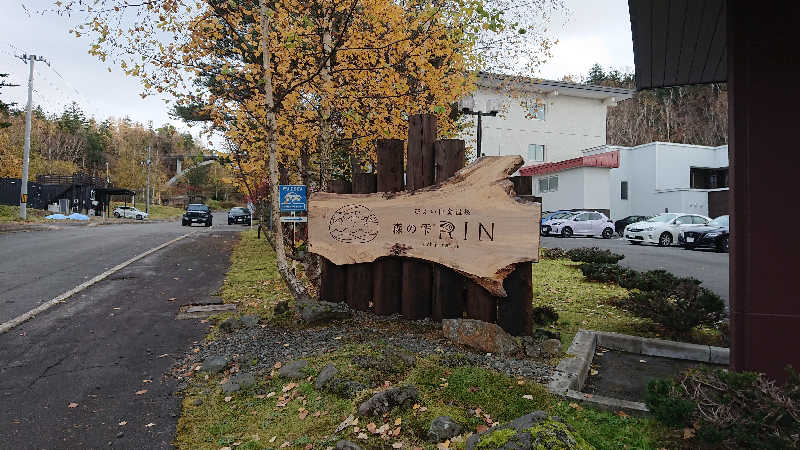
714,235
239,215
197,213
619,226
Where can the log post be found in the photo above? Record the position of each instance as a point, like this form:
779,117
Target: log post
480,303
359,276
333,284
388,271
421,172
448,286
514,311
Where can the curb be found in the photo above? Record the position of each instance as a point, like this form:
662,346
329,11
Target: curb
570,375
7,326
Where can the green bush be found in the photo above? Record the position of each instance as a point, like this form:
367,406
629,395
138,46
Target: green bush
730,409
654,280
605,273
679,308
552,253
593,255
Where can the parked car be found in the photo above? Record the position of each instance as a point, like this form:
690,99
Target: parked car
555,215
714,235
663,229
619,226
197,213
586,223
239,215
129,212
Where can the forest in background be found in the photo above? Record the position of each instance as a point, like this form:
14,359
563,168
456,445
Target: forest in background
684,114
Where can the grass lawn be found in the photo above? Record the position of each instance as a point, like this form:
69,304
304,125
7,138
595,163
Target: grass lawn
588,305
10,214
277,413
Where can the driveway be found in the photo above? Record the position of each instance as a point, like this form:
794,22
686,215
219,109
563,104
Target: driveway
707,266
89,373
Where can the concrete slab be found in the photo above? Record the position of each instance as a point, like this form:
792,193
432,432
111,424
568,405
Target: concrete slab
204,311
672,349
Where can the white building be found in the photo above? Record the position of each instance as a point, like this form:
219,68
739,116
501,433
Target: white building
646,179
541,120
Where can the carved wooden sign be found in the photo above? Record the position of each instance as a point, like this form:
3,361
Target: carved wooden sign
470,223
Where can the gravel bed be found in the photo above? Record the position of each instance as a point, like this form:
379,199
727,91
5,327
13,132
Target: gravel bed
271,344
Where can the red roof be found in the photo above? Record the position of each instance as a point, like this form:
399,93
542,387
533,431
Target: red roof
608,159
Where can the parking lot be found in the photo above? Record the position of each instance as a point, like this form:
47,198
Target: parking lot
706,265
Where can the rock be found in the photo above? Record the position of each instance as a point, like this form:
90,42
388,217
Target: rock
214,364
486,337
230,324
543,333
250,320
345,388
551,347
383,402
312,311
443,428
395,354
293,369
347,445
237,382
532,431
325,375
533,346
281,308
197,402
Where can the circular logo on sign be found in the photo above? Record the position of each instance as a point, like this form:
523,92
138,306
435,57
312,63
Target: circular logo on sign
353,224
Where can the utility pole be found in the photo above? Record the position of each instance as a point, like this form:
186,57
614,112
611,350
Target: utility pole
147,203
23,197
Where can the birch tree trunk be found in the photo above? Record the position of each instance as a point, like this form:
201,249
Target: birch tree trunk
295,286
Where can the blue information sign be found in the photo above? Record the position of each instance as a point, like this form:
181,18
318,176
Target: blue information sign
292,197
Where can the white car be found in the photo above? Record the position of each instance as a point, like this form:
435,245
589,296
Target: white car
586,223
663,229
129,212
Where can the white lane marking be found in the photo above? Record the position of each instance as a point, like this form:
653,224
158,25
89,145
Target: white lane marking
6,326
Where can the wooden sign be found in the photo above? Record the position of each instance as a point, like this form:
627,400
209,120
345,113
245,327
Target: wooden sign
470,223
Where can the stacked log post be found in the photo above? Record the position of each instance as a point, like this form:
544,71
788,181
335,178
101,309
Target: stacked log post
420,173
514,311
480,304
333,284
359,276
388,271
448,286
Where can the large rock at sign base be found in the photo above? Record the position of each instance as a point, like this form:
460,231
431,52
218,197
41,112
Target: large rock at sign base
293,369
531,431
383,402
312,311
237,382
483,336
214,364
325,376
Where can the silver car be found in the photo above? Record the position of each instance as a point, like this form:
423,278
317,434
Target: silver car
663,229
585,223
129,212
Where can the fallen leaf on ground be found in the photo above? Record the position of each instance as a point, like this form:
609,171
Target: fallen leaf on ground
371,427
277,365
143,391
72,405
397,445
227,399
273,439
521,382
576,406
224,448
442,445
123,423
398,421
423,409
688,433
151,424
527,397
396,432
271,394
172,299
593,372
363,436
147,381
642,361
622,414
481,428
286,444
289,387
163,356
303,414
260,396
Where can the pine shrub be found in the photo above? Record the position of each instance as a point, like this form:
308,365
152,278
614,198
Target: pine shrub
593,255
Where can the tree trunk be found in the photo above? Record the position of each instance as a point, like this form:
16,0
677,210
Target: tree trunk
325,109
295,286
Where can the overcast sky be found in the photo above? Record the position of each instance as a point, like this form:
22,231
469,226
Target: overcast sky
594,31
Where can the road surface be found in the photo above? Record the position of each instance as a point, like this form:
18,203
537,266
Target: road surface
706,265
89,373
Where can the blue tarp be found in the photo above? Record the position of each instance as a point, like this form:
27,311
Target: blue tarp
56,216
78,216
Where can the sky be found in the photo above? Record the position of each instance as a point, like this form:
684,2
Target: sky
592,31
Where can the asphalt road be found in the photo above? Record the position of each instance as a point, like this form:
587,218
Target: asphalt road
105,351
37,266
706,265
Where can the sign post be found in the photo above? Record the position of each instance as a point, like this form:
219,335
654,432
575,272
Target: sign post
293,198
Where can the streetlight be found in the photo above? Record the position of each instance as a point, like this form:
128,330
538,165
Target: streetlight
467,107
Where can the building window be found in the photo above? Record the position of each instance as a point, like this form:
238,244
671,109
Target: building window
623,190
536,152
700,178
537,111
548,184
